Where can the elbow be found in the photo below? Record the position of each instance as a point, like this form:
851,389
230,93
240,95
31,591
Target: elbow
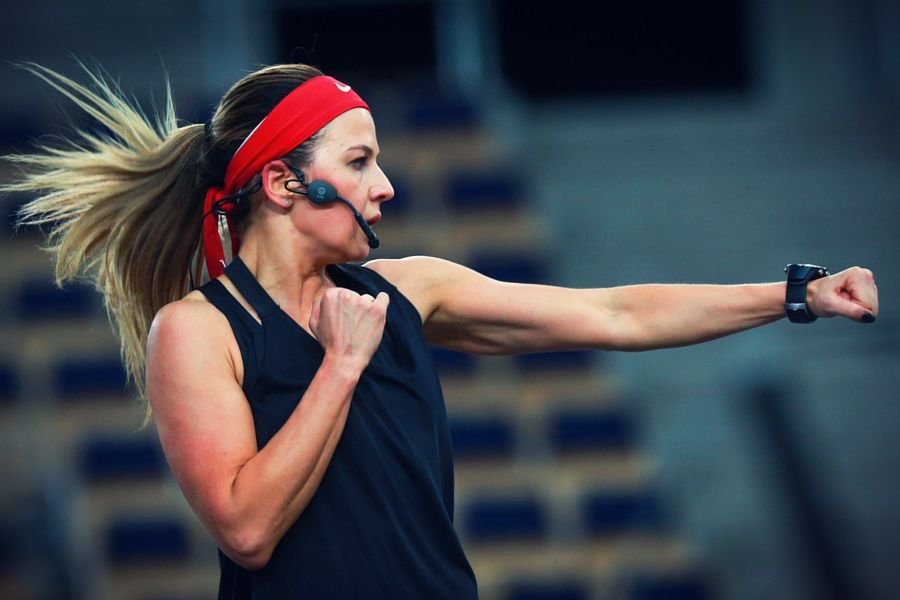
247,542
243,534
249,549
251,561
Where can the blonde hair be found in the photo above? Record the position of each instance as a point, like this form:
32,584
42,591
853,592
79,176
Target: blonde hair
124,207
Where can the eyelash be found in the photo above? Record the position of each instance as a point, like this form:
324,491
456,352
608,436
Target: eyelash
358,163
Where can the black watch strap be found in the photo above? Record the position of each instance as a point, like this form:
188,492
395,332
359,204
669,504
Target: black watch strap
798,276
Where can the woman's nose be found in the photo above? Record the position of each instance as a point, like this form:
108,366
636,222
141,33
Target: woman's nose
382,191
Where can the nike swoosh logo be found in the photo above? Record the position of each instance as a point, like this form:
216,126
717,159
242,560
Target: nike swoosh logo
342,86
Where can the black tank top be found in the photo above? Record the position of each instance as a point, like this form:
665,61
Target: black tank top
380,524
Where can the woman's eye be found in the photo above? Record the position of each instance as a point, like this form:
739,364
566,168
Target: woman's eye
358,163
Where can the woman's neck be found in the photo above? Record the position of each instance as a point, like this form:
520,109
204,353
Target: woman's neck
294,282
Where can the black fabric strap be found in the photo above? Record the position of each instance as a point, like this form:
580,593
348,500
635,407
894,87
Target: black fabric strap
798,277
249,288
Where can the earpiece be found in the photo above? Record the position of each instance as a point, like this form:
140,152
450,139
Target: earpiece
321,192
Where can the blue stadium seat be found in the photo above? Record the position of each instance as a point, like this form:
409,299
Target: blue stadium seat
479,190
40,299
670,586
18,128
9,383
9,210
108,458
9,545
145,539
509,265
431,111
176,596
484,437
536,361
617,512
547,590
574,430
504,519
78,377
451,362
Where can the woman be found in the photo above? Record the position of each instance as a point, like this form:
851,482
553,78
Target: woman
294,394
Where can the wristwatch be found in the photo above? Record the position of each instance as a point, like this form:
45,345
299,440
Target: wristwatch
798,275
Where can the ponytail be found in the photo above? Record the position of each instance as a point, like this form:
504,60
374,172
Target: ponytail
124,206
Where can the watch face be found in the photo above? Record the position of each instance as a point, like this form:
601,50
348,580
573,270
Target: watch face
805,272
800,272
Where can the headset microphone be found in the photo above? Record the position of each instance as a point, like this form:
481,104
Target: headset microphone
322,192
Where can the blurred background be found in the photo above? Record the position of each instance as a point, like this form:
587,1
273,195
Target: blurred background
573,143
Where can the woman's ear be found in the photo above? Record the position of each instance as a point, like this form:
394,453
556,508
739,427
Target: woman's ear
276,182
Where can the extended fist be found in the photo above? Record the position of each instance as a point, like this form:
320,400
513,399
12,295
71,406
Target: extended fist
851,293
349,325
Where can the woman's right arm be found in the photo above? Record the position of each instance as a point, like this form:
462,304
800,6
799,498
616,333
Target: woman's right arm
248,498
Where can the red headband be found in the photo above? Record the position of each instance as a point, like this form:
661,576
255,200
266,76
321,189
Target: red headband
295,119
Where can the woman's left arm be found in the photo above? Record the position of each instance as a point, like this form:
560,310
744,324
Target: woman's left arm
467,311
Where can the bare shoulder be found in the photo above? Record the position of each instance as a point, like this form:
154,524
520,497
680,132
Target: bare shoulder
191,317
414,268
419,278
190,335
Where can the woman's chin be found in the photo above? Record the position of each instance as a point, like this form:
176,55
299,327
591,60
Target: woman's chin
355,251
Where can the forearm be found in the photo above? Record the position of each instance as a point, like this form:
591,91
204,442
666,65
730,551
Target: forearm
271,490
645,317
466,311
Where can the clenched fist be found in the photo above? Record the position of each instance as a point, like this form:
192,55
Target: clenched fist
349,326
851,293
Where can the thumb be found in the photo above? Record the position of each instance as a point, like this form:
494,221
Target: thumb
315,313
382,300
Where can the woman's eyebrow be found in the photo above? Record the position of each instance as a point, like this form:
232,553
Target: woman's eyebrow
368,150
